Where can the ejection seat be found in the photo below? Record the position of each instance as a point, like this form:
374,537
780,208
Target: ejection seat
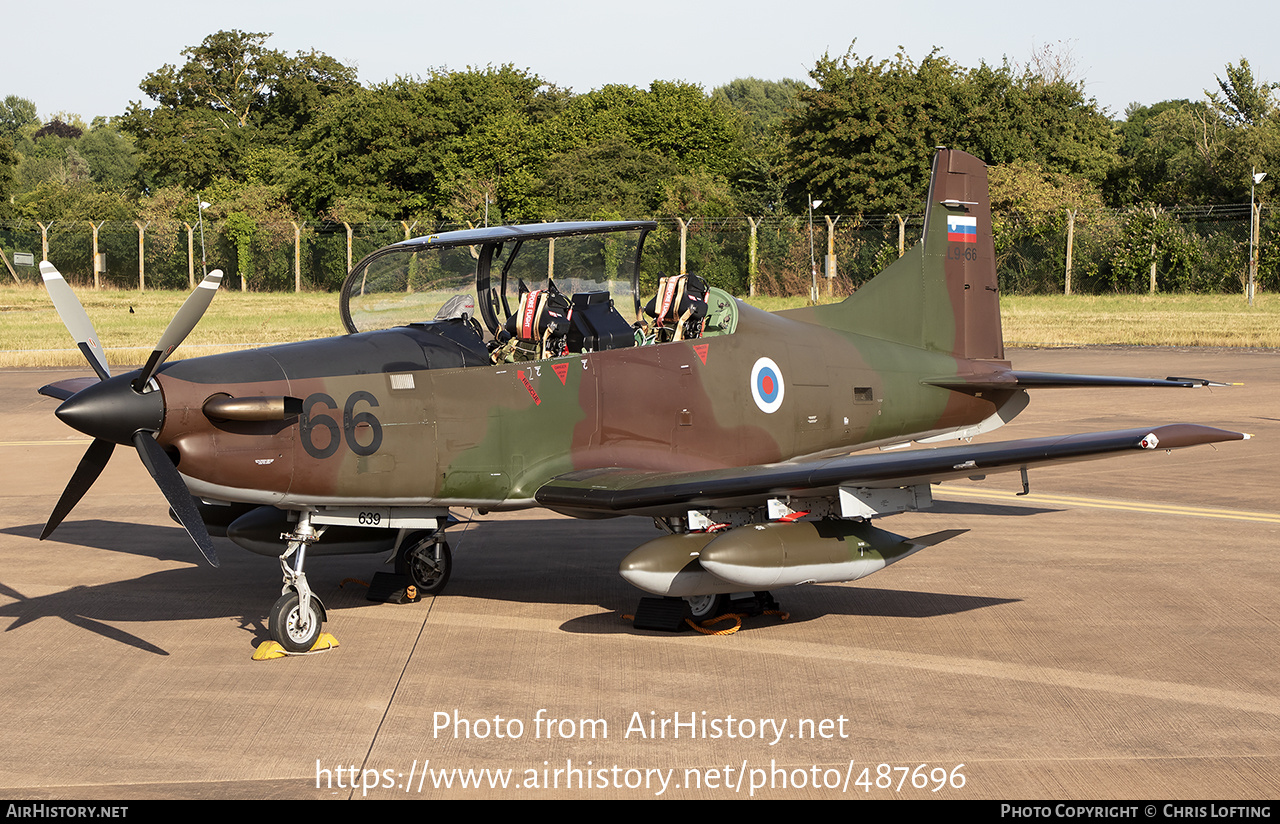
679,309
539,329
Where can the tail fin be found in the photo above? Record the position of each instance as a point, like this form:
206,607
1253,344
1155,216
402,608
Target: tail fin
941,295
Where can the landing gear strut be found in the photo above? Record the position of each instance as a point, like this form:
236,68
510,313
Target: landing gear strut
296,619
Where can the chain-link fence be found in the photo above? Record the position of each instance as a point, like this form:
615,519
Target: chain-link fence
1199,250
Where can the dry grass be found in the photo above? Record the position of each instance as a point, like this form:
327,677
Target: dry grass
1141,320
31,334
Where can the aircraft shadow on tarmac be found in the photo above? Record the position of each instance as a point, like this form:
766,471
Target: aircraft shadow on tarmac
531,561
164,543
584,570
191,592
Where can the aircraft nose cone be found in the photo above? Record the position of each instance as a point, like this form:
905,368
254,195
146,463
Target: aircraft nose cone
112,411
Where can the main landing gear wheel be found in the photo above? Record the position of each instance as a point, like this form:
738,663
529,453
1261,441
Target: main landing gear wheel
290,628
702,607
425,557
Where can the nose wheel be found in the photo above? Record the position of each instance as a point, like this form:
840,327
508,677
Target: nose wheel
293,627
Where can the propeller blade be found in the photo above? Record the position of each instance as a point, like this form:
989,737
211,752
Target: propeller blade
181,325
175,491
74,318
91,466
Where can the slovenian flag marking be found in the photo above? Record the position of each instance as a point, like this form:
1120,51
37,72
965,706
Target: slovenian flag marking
962,229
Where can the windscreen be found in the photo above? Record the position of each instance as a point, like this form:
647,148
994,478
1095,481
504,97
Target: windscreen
409,286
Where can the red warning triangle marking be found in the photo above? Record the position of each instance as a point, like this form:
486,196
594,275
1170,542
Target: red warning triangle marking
701,349
561,370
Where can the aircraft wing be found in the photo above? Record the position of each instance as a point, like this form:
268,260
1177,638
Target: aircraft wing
622,491
1008,379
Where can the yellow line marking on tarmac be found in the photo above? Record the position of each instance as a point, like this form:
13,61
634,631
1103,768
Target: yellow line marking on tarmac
72,442
1101,503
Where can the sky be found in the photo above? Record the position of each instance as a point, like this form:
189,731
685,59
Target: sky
88,59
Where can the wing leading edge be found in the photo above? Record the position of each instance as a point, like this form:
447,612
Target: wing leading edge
1007,379
623,491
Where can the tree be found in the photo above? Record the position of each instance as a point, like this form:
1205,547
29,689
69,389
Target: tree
427,147
8,162
609,179
863,140
1172,154
231,94
1181,152
1243,102
16,113
234,75
1006,115
56,128
868,130
112,161
677,121
763,106
1029,217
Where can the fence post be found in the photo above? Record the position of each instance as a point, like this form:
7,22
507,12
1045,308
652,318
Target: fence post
142,285
829,269
1071,235
348,228
9,266
902,236
753,264
684,235
94,260
1153,250
44,242
1255,247
297,256
191,256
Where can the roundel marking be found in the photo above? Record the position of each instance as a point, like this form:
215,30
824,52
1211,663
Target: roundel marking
767,386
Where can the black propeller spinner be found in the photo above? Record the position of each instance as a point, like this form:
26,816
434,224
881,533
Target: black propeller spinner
128,409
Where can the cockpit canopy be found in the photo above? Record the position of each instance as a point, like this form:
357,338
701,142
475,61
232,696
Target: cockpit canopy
480,272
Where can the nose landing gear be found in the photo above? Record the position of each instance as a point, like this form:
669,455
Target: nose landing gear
296,619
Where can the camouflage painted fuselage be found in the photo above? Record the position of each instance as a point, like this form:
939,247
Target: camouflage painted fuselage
378,426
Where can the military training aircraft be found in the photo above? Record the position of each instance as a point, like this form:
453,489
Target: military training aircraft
731,427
